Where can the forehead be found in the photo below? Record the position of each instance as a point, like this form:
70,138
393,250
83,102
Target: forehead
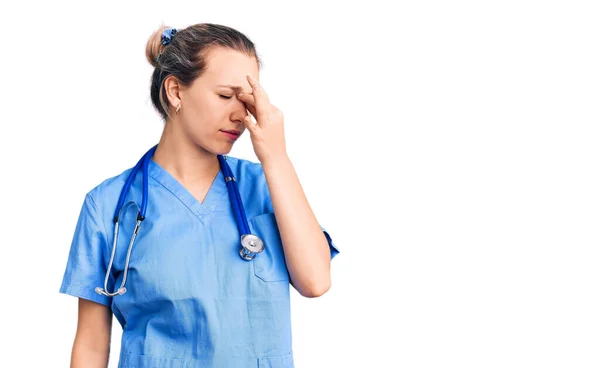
229,67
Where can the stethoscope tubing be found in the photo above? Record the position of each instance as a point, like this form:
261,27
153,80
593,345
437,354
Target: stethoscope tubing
143,164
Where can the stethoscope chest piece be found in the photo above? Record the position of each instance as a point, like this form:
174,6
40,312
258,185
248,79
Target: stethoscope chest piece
251,246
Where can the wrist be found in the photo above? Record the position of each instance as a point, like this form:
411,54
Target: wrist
276,160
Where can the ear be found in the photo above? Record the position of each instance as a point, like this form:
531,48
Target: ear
172,87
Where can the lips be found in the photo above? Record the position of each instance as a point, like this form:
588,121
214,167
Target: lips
235,132
231,134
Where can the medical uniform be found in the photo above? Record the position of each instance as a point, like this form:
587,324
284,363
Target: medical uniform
191,300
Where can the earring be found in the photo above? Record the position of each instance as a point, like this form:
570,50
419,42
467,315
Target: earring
177,109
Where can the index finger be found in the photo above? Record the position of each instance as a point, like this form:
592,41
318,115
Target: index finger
260,97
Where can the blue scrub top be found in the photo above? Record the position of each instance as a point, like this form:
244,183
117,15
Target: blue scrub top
191,300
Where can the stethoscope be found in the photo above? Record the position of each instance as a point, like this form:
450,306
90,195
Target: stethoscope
251,244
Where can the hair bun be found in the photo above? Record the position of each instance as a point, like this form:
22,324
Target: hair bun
156,44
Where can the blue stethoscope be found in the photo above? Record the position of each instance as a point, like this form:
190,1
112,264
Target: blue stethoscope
251,244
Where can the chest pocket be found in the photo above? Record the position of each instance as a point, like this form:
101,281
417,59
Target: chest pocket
269,265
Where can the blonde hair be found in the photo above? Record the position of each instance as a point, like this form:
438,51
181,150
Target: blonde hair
184,56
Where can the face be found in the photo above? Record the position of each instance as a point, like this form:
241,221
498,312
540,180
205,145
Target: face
210,105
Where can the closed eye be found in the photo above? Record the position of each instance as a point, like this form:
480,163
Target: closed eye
225,97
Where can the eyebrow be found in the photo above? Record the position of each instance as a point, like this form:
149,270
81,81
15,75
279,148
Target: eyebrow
230,86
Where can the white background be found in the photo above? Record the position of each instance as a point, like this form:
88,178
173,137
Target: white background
450,148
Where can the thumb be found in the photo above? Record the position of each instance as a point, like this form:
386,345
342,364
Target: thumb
250,125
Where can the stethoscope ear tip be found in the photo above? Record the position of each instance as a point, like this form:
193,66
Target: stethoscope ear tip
120,291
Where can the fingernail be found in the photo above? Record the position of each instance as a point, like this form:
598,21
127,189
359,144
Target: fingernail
240,94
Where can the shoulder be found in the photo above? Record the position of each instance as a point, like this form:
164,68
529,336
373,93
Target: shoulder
252,185
103,197
245,169
109,186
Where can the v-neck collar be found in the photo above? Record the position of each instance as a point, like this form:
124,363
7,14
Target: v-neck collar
212,199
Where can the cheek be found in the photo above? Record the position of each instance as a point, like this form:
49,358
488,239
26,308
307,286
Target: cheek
207,117
216,112
198,113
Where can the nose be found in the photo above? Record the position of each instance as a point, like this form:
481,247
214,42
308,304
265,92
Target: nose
239,112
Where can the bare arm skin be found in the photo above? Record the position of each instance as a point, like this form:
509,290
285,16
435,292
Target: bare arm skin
305,246
92,339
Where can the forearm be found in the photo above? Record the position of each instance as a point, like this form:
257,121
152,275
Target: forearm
305,246
85,356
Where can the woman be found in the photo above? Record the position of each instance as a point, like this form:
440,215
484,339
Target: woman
190,298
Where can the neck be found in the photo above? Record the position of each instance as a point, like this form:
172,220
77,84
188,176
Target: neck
183,159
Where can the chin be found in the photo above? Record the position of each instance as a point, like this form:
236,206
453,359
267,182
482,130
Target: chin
223,150
215,147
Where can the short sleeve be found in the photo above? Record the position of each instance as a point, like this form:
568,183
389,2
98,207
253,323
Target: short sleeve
333,249
87,263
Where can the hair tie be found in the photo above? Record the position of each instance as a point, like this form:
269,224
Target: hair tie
167,35
166,38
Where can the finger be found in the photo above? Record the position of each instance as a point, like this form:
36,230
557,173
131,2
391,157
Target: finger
261,99
250,125
249,101
247,98
251,109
